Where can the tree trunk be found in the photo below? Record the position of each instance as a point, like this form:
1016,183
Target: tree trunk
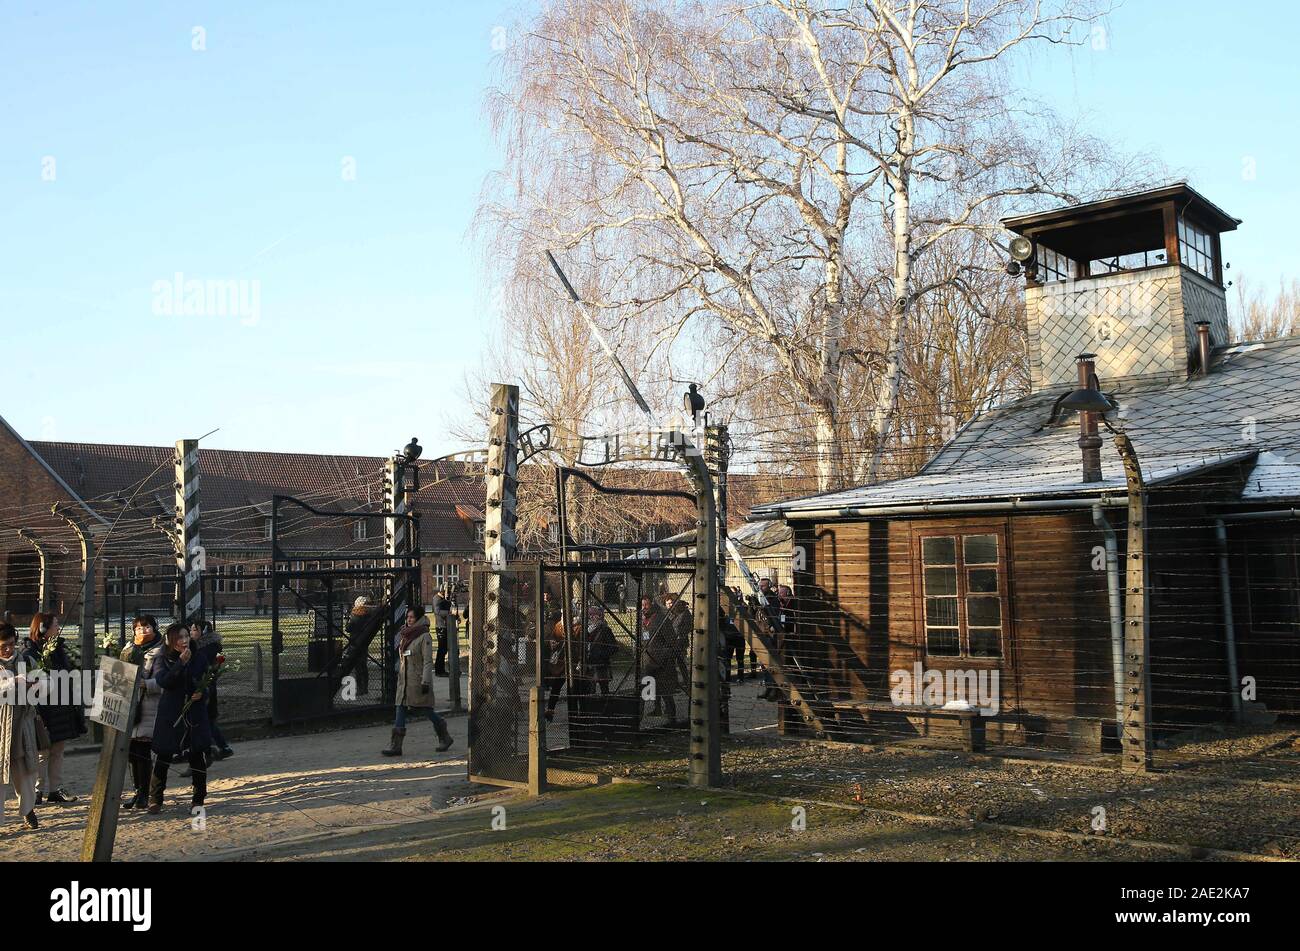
887,394
830,468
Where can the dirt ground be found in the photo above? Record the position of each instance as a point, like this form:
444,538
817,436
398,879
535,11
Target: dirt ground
271,791
634,822
1240,797
330,795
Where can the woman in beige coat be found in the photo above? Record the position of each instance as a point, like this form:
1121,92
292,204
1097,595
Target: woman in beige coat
415,680
18,760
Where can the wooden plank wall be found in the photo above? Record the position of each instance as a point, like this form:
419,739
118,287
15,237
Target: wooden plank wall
859,614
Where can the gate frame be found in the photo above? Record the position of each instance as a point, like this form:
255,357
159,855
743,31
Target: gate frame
387,567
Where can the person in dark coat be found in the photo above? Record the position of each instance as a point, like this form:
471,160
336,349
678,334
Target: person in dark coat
44,649
364,623
732,641
444,613
666,654
653,624
180,670
554,656
207,639
601,646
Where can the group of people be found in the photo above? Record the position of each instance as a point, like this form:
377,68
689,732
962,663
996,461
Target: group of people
664,629
593,659
174,716
778,606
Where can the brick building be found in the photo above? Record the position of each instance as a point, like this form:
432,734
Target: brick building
125,494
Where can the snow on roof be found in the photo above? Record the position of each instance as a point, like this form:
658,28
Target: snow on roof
1048,481
1275,476
1249,403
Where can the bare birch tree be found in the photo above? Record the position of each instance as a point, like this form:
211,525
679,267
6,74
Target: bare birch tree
1259,317
772,175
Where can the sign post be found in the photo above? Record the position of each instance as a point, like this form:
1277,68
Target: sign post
118,687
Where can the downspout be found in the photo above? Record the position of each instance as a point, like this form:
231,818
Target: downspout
1229,631
1116,610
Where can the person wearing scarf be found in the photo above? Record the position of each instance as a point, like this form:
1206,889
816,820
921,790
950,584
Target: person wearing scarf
44,649
145,651
415,681
18,754
175,733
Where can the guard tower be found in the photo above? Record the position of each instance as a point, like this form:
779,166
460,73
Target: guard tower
1127,279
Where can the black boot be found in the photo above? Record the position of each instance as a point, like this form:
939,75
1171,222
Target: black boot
444,737
157,786
395,744
140,780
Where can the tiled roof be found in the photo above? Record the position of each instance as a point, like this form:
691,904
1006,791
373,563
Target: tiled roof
1249,403
237,486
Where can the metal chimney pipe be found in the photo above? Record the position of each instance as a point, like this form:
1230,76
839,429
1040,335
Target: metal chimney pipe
1203,347
1089,441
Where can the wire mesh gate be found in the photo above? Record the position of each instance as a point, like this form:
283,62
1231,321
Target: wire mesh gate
334,618
608,643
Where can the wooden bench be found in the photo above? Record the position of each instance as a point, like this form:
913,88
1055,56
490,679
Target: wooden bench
971,722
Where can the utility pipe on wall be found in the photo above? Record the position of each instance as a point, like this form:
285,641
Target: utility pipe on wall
1116,610
1229,631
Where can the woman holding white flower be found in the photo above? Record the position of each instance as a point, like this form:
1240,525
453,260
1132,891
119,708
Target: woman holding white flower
44,649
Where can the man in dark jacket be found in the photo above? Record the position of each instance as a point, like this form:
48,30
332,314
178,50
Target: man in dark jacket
444,613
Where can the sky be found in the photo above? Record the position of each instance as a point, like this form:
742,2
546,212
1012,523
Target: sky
317,166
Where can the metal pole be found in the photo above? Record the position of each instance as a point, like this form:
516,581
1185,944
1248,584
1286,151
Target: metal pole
1229,627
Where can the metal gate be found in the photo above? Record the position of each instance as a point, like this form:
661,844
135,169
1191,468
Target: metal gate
327,657
583,633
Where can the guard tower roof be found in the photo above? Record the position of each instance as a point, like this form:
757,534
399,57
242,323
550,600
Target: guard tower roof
1121,224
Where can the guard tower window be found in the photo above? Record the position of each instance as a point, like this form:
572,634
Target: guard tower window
1128,262
1196,248
1054,266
